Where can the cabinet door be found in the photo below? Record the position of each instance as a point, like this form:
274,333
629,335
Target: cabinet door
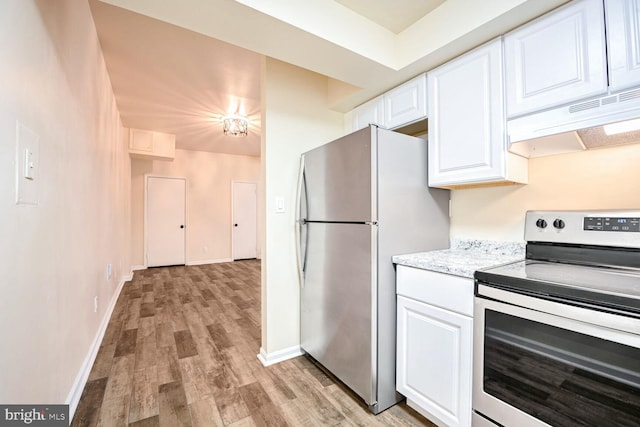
406,103
556,59
141,140
434,359
466,119
369,113
623,43
164,144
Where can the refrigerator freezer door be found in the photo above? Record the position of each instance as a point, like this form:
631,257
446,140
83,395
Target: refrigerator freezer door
338,303
339,179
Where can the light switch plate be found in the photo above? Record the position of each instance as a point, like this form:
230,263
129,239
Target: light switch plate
27,165
279,204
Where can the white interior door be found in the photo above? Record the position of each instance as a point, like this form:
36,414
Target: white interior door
245,220
165,221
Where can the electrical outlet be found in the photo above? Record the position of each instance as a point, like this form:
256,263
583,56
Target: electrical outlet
95,304
109,271
205,249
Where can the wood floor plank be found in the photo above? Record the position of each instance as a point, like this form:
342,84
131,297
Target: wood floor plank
147,422
235,361
194,321
164,334
90,403
254,396
112,333
173,407
133,313
353,410
144,400
194,380
126,343
114,411
104,361
185,344
204,413
245,422
120,378
220,337
210,356
147,309
269,416
297,414
146,352
275,385
231,406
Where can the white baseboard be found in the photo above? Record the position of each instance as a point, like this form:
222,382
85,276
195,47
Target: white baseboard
127,278
210,261
138,267
268,359
73,398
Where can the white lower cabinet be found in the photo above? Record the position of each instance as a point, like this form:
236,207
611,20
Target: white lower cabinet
434,345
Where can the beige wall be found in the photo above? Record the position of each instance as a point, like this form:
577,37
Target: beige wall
296,118
209,177
597,179
54,255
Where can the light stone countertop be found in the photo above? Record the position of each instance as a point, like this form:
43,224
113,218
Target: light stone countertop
464,257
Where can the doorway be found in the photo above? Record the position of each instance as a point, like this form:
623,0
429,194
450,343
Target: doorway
165,206
244,220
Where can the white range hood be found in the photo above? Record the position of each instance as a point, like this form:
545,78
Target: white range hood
574,127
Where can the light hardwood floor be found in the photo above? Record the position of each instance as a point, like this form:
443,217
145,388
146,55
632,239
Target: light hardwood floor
181,347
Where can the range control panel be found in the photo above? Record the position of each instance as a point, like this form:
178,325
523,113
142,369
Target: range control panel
616,228
604,223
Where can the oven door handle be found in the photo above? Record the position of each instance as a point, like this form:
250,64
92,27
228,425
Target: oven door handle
582,320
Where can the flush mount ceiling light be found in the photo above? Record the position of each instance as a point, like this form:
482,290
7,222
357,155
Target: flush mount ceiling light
235,125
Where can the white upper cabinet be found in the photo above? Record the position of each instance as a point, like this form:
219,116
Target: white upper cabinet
400,106
369,113
467,139
623,43
406,103
146,144
557,59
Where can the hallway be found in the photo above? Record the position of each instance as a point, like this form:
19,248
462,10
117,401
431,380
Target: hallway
181,348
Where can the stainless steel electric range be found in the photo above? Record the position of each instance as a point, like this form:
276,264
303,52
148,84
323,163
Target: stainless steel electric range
557,336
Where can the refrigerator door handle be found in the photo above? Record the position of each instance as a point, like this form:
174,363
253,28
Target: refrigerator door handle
300,222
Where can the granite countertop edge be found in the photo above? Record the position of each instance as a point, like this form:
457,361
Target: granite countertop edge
464,257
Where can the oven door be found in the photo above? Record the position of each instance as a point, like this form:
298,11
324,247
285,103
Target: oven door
553,364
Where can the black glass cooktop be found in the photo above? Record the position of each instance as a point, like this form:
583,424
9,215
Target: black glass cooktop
614,289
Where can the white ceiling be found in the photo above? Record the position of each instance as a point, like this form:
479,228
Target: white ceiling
177,65
169,79
396,15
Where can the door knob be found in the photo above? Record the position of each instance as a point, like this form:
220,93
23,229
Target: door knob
182,226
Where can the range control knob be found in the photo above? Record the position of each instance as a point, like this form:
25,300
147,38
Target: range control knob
541,223
558,223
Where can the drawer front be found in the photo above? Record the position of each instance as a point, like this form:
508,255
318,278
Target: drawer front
441,290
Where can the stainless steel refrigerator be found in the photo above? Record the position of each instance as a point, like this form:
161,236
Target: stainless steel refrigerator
362,199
